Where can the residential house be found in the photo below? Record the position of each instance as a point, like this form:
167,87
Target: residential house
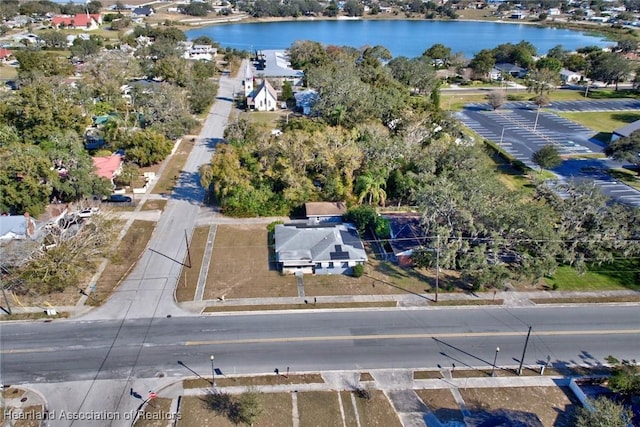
318,212
261,98
108,167
570,77
198,51
625,131
275,65
305,100
142,11
17,227
406,236
512,69
80,21
327,248
5,54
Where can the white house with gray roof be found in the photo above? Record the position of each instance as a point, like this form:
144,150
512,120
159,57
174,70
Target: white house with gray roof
318,249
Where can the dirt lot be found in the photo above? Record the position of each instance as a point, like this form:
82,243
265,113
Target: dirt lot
277,409
442,403
256,276
553,406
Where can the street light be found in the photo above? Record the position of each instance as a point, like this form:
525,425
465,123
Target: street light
213,373
535,125
495,358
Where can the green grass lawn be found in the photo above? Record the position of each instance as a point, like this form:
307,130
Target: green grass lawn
621,275
604,121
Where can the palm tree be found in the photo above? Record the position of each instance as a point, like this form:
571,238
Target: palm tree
371,184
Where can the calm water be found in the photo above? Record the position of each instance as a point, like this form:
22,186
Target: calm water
402,38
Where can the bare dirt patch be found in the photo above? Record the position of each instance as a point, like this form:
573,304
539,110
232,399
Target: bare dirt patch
366,376
553,406
156,413
442,403
154,205
240,266
426,375
319,409
186,287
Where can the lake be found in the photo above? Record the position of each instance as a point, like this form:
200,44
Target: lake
402,38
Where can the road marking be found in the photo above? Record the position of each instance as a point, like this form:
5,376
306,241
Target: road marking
409,336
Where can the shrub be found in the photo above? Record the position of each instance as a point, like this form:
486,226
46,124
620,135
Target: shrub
358,270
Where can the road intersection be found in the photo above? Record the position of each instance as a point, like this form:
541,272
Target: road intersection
136,339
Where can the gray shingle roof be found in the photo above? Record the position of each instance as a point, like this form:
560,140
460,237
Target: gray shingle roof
318,243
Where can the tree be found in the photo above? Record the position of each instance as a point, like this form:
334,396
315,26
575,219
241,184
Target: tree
26,178
626,376
353,8
543,81
370,186
146,147
483,62
604,412
439,53
497,98
626,149
249,407
547,157
549,63
610,67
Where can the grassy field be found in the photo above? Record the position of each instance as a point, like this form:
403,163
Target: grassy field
443,405
277,409
154,205
167,181
311,305
7,72
186,287
623,274
319,409
256,276
376,411
553,406
256,381
602,121
124,259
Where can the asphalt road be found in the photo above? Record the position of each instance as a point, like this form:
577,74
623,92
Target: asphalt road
66,351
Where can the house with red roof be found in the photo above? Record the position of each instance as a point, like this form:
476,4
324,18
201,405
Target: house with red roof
108,166
80,21
5,54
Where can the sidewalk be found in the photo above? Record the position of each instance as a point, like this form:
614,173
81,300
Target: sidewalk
424,301
397,385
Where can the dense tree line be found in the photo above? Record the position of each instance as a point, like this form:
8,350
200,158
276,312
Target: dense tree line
372,141
44,122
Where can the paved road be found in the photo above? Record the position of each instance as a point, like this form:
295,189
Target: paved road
147,292
521,130
65,351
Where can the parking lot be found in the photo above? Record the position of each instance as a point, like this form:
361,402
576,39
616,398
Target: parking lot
520,129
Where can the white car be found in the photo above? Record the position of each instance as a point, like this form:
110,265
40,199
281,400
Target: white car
87,212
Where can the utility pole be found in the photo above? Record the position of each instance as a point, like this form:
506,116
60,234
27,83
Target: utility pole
186,239
437,266
524,351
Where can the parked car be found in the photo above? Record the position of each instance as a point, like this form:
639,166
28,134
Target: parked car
118,198
87,212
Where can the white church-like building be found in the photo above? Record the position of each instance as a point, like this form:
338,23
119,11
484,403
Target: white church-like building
262,97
